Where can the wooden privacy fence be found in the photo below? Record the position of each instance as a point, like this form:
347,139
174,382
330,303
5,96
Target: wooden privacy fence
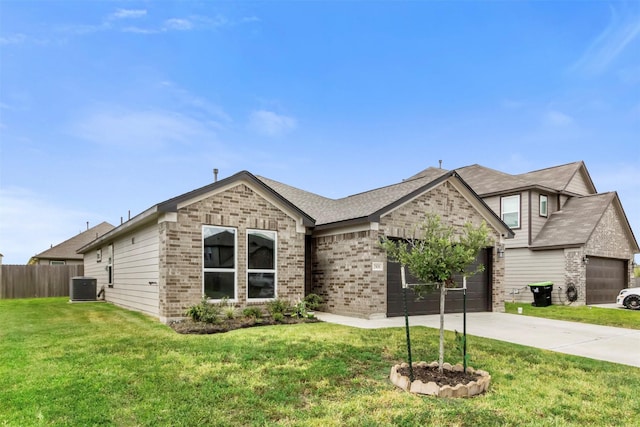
37,281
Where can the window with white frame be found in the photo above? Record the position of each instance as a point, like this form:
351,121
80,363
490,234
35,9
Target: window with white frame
543,205
261,264
510,210
219,262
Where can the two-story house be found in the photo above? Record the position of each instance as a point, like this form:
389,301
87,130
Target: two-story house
565,232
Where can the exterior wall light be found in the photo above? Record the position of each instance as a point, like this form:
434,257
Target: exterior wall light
585,260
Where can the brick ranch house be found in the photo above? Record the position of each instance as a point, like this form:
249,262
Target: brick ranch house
253,239
65,253
565,232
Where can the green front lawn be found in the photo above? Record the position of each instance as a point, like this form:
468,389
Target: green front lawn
619,317
96,364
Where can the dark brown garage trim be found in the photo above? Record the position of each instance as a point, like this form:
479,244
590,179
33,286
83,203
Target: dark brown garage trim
605,278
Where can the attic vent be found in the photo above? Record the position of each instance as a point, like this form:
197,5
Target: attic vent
83,288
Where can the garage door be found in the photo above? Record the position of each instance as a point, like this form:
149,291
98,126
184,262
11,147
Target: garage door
605,278
478,292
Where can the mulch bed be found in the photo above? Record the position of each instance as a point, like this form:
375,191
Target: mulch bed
188,326
428,374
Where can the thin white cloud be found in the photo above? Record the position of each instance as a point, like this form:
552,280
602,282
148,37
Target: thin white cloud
630,75
248,19
622,178
271,124
13,39
557,118
622,31
178,24
152,129
121,21
82,29
138,30
128,14
184,98
512,104
23,232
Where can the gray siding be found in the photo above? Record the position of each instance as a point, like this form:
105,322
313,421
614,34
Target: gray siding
521,238
135,270
537,221
578,184
94,268
523,267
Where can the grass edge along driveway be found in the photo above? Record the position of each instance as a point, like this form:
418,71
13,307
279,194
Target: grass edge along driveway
97,364
617,317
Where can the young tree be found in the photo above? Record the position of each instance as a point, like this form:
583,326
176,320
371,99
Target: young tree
436,254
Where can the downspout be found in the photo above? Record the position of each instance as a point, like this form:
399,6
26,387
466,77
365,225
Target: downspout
530,216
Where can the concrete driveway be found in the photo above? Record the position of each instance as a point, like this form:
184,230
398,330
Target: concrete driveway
616,345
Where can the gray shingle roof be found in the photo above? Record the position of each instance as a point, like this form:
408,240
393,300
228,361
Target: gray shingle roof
557,177
68,248
361,205
310,203
574,224
486,181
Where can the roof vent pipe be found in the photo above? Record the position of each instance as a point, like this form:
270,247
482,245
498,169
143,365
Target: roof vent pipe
440,161
215,175
87,225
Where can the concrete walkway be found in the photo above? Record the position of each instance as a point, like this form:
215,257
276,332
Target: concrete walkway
616,345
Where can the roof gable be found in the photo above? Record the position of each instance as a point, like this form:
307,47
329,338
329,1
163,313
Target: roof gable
575,223
569,178
314,210
370,205
486,181
175,203
563,178
362,205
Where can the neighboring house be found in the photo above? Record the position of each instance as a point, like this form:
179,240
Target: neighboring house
251,239
66,252
565,232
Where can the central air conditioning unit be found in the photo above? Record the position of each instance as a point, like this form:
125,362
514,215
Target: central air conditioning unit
83,288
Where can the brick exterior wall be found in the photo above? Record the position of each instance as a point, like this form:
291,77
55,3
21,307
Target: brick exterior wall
576,274
181,275
608,240
342,263
343,276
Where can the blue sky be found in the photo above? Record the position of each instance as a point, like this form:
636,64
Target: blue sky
113,106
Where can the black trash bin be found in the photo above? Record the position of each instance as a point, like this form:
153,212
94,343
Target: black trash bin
541,293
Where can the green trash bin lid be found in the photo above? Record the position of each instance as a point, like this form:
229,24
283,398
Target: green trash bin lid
540,284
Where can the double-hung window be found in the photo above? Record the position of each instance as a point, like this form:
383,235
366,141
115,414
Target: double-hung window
219,261
261,264
510,210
